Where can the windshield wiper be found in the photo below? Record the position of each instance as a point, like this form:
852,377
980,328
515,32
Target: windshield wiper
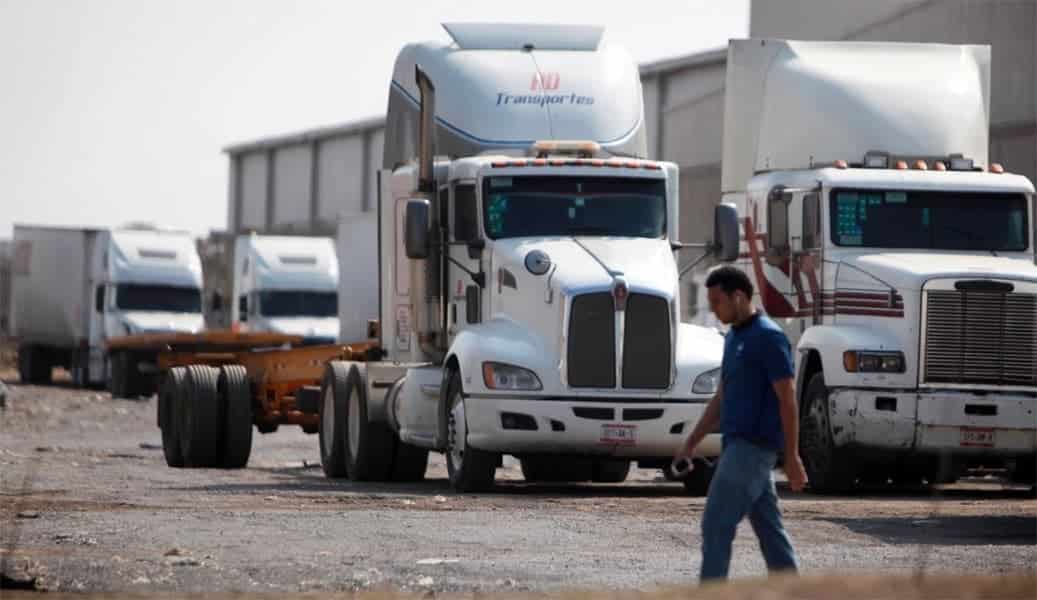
588,231
972,236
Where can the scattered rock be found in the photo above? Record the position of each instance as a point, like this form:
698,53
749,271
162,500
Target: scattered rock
407,502
45,448
426,581
182,561
174,552
438,561
17,582
28,514
439,499
141,580
150,446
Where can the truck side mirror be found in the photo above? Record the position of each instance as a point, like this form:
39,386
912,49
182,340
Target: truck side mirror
811,221
243,308
99,299
471,304
726,235
778,223
416,228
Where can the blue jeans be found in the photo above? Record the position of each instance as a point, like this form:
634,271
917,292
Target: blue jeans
743,484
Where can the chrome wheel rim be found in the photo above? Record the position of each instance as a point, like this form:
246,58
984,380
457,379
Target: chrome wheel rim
457,433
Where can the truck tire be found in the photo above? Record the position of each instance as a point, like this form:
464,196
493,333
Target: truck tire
236,397
610,471
332,433
542,469
1023,471
469,469
169,417
409,463
829,469
201,436
369,444
34,365
697,482
120,383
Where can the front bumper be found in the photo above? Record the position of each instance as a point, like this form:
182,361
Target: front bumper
958,423
577,427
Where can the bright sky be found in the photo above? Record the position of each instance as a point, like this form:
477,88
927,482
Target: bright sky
114,111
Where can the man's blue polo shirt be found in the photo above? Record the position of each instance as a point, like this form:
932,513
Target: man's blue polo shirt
756,354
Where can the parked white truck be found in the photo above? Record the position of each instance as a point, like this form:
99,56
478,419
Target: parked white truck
74,289
898,259
278,284
529,290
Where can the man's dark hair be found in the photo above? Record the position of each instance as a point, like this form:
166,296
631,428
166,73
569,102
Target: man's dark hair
730,280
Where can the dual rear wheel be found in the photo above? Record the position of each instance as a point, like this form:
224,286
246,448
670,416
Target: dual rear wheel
205,415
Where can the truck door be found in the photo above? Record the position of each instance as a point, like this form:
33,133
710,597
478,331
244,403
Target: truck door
466,297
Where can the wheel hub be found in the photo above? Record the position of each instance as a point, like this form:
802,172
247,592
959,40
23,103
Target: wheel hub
457,433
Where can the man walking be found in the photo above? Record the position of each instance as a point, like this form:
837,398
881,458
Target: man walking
755,408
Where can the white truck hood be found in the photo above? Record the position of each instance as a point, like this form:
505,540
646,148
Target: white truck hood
322,327
587,263
910,270
163,322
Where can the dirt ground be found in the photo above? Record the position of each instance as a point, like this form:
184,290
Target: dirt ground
88,505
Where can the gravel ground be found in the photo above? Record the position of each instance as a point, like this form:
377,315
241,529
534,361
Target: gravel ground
87,504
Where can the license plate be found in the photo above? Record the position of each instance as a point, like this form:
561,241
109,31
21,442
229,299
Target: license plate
619,435
971,436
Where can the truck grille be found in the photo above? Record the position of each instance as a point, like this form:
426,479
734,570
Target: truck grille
646,343
981,337
591,357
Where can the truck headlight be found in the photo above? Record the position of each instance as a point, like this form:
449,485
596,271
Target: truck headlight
864,361
707,383
499,376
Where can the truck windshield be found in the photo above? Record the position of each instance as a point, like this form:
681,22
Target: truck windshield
158,298
930,220
535,206
298,303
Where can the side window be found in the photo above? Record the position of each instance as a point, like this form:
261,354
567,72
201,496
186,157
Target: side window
243,308
466,219
99,299
778,221
811,221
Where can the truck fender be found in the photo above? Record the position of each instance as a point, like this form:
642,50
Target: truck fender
829,342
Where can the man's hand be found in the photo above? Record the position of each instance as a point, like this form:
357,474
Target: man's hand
682,463
795,473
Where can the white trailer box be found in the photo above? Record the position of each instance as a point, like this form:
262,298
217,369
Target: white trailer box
357,242
75,288
897,259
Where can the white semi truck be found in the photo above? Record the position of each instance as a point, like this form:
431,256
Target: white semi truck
897,258
75,289
529,297
268,283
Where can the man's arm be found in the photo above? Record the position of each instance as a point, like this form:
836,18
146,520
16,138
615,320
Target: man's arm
785,389
708,423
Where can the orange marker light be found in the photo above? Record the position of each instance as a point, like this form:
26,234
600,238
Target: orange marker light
921,166
996,168
901,165
939,166
841,164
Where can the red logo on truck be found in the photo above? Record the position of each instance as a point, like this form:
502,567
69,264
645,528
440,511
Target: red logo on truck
545,81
